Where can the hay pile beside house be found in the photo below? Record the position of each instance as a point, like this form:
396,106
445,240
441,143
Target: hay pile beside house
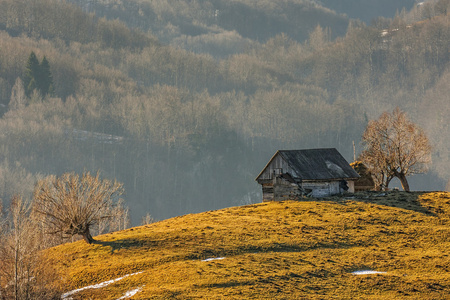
365,182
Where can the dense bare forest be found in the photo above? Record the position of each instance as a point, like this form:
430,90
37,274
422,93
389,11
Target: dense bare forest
185,101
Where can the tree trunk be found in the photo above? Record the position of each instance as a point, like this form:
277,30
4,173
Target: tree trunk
386,183
386,186
16,267
403,181
87,236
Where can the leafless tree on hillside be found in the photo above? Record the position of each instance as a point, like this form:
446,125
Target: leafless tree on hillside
24,273
18,98
71,204
395,147
119,220
147,219
12,250
2,236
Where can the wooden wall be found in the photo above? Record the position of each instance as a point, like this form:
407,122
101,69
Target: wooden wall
278,166
280,189
285,190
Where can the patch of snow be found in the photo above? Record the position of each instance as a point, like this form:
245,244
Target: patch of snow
367,272
214,258
102,138
130,294
95,286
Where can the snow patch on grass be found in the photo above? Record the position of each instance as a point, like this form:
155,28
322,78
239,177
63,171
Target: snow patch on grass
367,272
95,286
213,258
130,294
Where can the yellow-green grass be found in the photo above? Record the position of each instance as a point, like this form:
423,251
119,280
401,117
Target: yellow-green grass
277,250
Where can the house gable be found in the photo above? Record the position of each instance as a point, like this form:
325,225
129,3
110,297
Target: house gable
276,166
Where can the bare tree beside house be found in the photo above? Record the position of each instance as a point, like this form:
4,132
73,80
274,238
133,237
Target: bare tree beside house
395,147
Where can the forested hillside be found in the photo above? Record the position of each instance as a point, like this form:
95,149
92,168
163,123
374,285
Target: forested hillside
367,10
220,27
188,132
223,27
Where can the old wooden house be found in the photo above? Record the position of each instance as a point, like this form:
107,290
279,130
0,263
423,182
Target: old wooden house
291,174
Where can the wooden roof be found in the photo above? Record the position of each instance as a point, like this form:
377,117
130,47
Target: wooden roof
316,164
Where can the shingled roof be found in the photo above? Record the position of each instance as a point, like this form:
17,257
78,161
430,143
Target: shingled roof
316,164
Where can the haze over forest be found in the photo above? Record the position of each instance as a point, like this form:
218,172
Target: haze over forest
186,101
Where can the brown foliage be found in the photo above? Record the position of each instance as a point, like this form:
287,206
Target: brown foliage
71,204
24,273
395,147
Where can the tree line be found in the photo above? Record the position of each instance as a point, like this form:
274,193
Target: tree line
180,116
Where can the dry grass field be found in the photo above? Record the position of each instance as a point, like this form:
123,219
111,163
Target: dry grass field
278,250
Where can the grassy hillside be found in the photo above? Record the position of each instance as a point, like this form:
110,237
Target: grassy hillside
286,250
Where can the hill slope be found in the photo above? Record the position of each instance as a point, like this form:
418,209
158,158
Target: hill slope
367,10
285,250
209,26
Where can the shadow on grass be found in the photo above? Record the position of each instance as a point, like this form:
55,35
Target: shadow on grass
399,199
203,254
125,244
265,279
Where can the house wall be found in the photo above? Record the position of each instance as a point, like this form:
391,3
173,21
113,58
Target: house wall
267,190
325,189
278,166
281,190
321,189
285,190
351,186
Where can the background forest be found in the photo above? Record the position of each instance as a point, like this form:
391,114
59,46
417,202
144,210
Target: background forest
185,101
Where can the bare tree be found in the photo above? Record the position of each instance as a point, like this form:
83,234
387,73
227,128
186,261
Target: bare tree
2,241
395,147
12,251
147,219
119,220
19,211
18,98
71,204
24,271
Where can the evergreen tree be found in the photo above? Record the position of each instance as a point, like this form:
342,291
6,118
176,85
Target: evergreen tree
38,76
45,83
31,74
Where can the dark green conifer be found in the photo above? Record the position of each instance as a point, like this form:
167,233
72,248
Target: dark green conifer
32,68
38,76
45,79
